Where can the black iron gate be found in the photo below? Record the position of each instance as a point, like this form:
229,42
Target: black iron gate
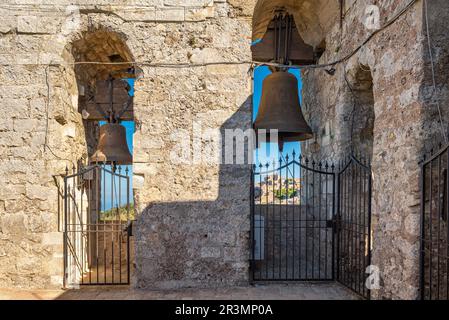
97,219
353,219
434,226
293,207
311,222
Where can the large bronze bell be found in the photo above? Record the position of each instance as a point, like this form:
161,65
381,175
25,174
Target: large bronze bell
280,109
112,146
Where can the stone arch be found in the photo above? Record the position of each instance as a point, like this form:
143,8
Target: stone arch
100,45
313,18
95,55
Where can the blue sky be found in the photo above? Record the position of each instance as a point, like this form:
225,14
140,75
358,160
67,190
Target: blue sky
129,126
269,151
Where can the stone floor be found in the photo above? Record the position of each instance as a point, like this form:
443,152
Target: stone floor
300,291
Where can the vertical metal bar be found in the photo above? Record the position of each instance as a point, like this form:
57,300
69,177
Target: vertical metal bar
89,229
364,227
259,222
346,224
357,229
280,220
326,209
65,251
369,219
355,193
82,230
319,221
266,223
360,229
439,226
423,233
273,220
300,200
104,233
333,226
286,216
364,241
128,262
112,223
252,233
75,227
430,229
306,221
342,204
336,233
446,207
313,220
294,218
69,234
120,231
97,220
340,224
343,227
351,226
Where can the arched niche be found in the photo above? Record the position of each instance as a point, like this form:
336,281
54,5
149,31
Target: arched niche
313,18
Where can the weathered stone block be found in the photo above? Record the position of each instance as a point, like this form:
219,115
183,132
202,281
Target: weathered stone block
170,14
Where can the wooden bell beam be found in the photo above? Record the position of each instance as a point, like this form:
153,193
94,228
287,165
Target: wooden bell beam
300,52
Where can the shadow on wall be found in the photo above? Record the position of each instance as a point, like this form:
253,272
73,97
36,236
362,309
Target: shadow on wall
199,243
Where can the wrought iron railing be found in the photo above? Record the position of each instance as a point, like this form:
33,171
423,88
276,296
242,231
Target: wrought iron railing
311,221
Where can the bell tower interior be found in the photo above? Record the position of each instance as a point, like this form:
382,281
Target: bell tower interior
105,82
109,52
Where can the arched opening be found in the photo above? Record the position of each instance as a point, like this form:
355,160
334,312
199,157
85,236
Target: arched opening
99,208
293,195
304,202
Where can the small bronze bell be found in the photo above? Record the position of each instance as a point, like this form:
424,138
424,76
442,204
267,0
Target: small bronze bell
112,146
280,109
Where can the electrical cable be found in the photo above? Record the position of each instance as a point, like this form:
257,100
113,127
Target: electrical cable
47,111
259,63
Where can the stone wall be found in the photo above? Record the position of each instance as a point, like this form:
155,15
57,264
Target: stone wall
39,138
193,227
193,224
404,124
